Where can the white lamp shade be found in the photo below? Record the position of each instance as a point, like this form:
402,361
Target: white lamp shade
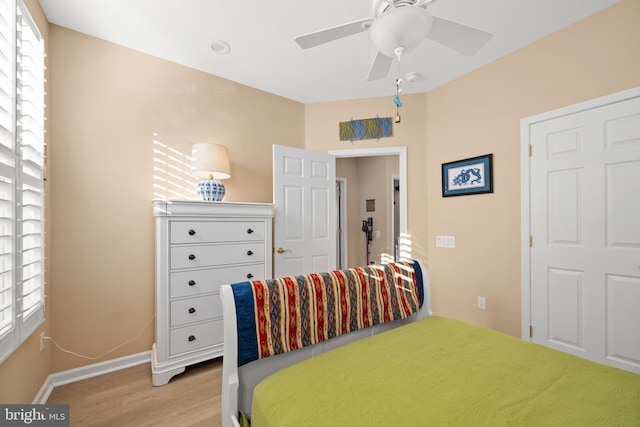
210,159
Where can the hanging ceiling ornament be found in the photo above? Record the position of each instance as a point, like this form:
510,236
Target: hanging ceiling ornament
396,99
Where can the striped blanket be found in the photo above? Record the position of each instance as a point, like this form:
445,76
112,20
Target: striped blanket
279,315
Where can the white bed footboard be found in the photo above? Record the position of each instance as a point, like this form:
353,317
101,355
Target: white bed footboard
238,383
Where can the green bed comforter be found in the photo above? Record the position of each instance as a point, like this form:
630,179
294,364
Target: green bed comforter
442,372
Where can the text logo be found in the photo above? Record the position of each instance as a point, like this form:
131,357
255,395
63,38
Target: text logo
34,415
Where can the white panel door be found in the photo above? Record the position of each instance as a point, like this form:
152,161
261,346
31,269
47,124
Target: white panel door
304,230
585,227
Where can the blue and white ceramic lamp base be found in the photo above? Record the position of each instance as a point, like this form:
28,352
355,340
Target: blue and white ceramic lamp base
211,190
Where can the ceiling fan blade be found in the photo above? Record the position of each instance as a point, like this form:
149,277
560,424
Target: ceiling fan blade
334,33
380,67
458,37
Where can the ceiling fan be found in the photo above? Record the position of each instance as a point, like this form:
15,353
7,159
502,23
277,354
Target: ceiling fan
397,28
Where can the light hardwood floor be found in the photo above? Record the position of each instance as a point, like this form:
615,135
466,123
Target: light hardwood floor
127,398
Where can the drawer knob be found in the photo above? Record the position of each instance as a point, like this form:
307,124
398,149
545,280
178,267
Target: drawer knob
192,282
249,231
192,338
249,253
192,232
192,310
192,257
249,276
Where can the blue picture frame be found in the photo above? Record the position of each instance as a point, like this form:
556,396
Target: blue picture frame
469,176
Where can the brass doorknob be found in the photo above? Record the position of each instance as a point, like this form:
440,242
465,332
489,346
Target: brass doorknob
281,250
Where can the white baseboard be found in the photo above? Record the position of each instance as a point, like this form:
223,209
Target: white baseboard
89,371
44,392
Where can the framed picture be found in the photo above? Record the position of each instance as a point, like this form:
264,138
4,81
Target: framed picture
468,176
371,205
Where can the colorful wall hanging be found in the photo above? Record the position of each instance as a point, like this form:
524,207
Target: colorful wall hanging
376,128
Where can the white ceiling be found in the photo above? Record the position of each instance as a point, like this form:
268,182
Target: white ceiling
264,55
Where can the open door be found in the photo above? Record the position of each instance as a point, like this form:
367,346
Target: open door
304,226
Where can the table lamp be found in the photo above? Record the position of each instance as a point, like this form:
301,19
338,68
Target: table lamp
210,161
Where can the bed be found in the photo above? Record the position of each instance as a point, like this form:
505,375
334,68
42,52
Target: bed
292,368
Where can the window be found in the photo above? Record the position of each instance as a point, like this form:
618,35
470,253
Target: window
21,176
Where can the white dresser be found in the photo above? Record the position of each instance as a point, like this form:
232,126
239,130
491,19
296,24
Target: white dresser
200,246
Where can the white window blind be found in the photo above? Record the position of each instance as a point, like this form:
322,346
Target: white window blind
7,173
21,176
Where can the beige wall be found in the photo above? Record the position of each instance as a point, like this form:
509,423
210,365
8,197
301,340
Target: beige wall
106,102
109,107
592,58
368,178
114,115
477,114
375,184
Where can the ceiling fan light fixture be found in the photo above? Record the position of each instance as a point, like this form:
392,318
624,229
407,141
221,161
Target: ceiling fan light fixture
381,6
400,27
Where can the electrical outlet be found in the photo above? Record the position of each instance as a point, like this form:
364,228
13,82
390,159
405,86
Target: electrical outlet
482,304
41,342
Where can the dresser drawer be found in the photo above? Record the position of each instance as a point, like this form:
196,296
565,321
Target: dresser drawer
195,337
220,231
195,309
210,255
195,282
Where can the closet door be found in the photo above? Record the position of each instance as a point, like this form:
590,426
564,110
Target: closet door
585,229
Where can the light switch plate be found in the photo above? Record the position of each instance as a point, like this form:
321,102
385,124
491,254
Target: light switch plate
445,241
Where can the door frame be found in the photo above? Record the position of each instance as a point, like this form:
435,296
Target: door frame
401,152
525,187
392,214
341,218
